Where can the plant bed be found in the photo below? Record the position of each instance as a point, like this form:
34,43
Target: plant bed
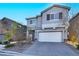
2,46
4,42
9,45
77,46
0,42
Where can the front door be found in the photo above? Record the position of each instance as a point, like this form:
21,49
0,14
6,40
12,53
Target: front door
32,33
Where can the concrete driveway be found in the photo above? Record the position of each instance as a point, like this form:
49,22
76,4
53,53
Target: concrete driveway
50,49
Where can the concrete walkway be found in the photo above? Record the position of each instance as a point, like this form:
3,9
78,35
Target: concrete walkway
50,49
19,47
10,53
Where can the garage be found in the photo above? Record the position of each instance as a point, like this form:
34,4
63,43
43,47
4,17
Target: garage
50,37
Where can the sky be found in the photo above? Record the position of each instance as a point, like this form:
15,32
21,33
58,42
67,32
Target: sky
19,11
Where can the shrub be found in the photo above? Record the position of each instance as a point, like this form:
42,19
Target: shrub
73,38
6,42
0,42
9,45
78,47
7,36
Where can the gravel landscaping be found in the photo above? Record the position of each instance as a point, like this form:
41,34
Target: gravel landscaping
19,47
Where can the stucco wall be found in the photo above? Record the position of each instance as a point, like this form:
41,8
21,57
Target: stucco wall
74,27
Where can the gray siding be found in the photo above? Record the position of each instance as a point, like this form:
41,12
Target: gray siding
55,10
40,20
36,23
39,23
33,25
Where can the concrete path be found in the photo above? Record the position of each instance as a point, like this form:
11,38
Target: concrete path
10,53
19,47
50,49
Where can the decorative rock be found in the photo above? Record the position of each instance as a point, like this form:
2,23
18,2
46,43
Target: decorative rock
2,47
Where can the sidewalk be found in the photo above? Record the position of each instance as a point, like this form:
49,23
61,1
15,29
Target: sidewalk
10,53
19,48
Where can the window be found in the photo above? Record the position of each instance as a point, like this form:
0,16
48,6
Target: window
30,21
60,15
48,16
52,16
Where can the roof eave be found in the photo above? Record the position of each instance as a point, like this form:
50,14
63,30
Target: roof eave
60,6
30,18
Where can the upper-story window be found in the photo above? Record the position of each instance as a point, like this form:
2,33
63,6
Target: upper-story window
54,16
48,16
30,21
60,15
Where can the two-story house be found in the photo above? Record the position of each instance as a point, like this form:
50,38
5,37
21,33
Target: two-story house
50,26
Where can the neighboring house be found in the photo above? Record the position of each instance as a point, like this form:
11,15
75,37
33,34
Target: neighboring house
13,30
1,32
74,27
50,26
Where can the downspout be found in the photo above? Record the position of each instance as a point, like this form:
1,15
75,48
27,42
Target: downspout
67,25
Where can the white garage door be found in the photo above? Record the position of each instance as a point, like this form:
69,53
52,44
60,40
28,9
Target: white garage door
50,37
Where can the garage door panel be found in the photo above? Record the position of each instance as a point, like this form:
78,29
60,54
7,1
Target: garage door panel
50,37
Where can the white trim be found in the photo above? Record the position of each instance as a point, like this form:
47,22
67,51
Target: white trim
53,25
